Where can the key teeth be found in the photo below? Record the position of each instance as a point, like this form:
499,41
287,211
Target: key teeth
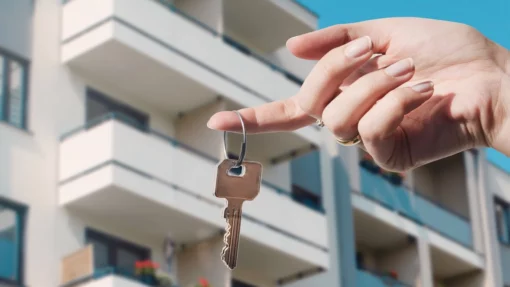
226,238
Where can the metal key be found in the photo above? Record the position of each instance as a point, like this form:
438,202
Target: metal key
235,189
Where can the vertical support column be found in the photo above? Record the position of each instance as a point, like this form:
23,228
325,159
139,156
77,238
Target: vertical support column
473,203
426,276
338,205
202,261
351,158
493,272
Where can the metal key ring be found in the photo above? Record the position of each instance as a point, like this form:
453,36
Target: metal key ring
243,144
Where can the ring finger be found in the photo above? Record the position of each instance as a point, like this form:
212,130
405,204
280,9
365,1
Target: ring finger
343,113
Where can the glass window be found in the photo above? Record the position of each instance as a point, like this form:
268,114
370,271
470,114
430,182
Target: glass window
11,242
99,105
110,251
502,220
13,91
16,94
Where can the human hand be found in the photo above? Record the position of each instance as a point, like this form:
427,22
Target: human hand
403,120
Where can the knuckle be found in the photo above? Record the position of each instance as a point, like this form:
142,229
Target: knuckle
337,124
368,130
396,100
331,64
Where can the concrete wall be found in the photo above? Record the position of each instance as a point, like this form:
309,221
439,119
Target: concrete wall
404,260
284,58
16,27
445,182
191,129
209,12
203,261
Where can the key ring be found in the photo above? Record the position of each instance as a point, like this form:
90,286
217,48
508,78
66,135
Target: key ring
240,160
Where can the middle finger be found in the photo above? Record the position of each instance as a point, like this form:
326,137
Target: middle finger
324,80
343,113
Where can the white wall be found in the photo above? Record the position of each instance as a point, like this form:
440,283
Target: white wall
203,261
191,129
445,182
404,260
285,59
209,12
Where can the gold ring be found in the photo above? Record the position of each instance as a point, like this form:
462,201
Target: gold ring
356,140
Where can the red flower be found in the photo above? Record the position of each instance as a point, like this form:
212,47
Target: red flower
203,282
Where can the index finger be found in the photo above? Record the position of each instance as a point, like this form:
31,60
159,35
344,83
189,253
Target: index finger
279,116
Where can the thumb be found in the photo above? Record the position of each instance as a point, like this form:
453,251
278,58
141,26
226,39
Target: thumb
314,45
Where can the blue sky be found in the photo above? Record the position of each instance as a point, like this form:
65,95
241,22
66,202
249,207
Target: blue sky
491,17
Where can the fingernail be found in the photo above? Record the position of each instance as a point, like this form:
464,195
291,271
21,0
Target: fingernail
400,68
359,47
423,88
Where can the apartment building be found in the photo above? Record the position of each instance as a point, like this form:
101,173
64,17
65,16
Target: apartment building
105,160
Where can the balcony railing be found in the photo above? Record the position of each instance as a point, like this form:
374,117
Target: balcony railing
110,271
127,120
416,207
365,278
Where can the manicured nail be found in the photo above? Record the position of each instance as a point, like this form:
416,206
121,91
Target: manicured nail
359,47
400,68
423,88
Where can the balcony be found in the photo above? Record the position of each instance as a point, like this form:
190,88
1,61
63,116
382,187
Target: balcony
78,270
126,177
416,208
392,253
171,61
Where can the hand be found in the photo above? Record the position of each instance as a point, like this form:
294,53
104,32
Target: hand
433,89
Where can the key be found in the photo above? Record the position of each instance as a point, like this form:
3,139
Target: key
235,189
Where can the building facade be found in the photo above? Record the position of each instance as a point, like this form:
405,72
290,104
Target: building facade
106,160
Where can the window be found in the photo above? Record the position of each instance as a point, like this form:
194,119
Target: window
12,223
13,90
501,209
113,252
307,198
99,105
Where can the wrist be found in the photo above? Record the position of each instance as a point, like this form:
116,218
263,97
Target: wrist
502,109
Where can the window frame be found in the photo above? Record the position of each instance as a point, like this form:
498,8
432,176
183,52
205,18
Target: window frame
21,211
113,244
506,216
4,90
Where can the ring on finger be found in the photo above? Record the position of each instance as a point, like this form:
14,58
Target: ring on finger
319,123
354,141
